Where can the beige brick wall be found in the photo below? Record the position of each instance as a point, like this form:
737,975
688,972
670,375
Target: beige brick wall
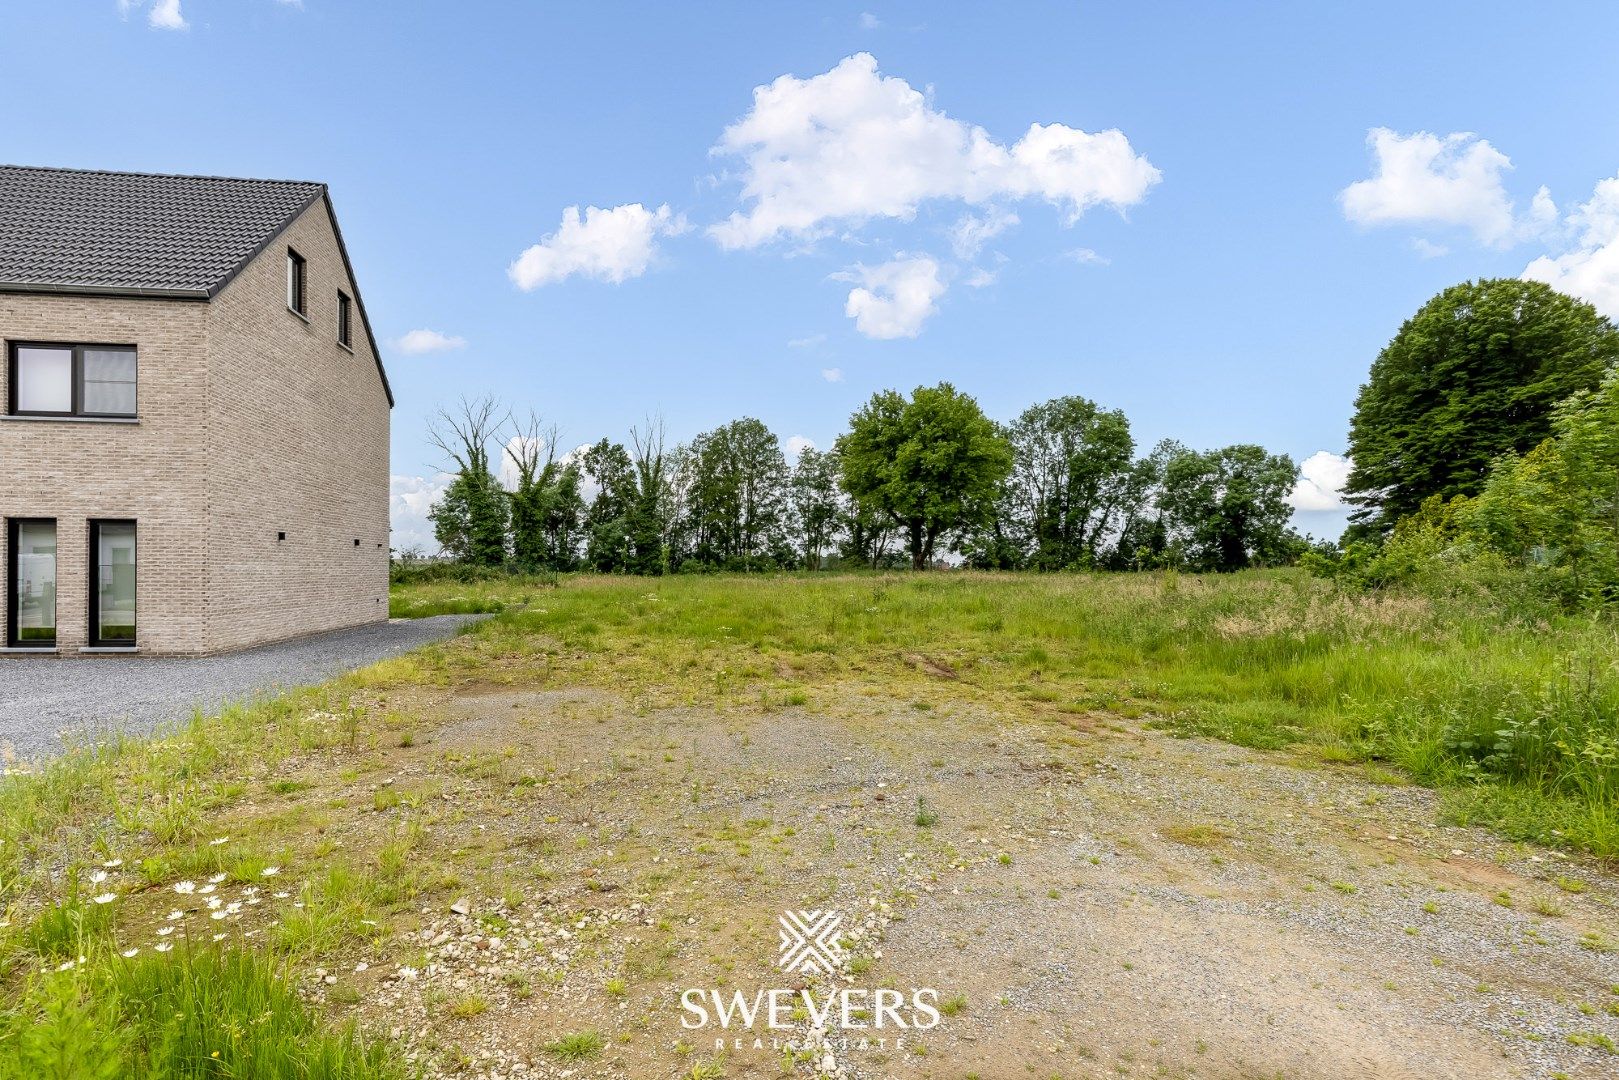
251,422
154,470
298,434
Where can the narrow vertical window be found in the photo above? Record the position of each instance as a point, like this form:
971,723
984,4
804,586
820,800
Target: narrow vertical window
296,271
345,333
112,583
31,588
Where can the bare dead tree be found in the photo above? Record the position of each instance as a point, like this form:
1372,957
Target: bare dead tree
465,431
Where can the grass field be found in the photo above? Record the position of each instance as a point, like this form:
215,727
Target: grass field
1517,719
514,847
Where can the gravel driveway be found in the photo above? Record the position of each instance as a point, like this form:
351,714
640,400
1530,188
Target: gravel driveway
44,698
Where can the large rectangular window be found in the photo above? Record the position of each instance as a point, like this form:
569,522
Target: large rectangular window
112,583
297,274
31,583
72,380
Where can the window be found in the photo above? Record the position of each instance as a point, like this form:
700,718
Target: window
31,583
112,584
73,380
296,273
345,316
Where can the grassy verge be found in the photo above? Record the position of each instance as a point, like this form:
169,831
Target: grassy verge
1515,717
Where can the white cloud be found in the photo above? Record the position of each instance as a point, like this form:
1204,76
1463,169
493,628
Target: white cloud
1087,256
806,342
163,14
1427,249
409,500
868,21
1321,481
1591,270
895,298
850,145
1452,180
832,374
981,278
797,444
608,245
969,235
418,342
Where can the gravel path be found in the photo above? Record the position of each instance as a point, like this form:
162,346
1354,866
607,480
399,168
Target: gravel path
44,698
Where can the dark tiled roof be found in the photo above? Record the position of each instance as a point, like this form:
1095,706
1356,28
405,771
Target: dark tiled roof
73,230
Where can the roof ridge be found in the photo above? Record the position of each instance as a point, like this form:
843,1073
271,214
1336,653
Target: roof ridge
163,175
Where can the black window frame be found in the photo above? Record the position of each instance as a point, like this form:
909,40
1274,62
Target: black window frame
93,608
78,349
345,320
297,284
13,641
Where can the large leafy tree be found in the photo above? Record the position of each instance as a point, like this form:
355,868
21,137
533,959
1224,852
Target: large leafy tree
1069,479
1227,509
1473,375
733,482
546,506
607,540
931,465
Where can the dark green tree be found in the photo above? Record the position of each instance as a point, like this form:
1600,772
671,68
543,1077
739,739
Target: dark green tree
607,540
1227,509
1473,375
733,485
813,493
931,465
545,502
1070,475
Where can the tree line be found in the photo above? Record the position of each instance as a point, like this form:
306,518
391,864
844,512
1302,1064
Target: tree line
913,480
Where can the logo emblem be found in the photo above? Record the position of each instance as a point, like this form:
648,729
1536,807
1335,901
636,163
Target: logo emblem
809,942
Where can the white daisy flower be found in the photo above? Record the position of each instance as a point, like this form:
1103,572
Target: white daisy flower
176,916
216,841
163,946
207,888
106,898
216,879
214,903
270,871
185,888
98,877
216,915
218,937
129,952
113,864
66,965
282,895
164,931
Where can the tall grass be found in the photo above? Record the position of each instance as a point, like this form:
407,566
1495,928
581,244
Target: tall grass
1513,710
188,1014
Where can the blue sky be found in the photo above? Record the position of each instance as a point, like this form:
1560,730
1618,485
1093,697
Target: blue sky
1223,267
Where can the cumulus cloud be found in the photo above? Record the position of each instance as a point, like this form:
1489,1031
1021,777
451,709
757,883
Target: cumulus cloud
832,374
851,145
1450,180
409,500
1591,270
894,299
1321,481
797,444
608,245
419,342
1427,249
969,235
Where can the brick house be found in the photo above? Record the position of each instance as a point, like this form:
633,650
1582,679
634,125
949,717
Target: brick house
194,435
